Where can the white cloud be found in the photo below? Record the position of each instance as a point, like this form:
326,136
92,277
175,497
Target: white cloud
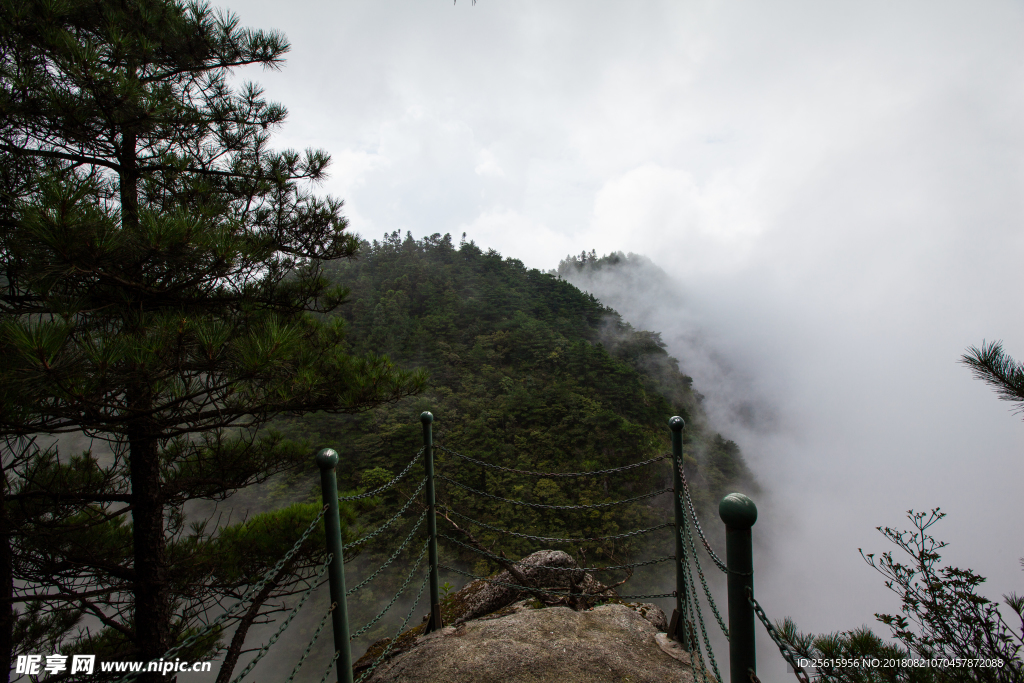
488,164
696,228
516,236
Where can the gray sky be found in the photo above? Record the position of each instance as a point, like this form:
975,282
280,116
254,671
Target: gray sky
837,190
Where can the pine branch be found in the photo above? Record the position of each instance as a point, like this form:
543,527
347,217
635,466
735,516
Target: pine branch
52,154
73,497
105,620
63,595
997,369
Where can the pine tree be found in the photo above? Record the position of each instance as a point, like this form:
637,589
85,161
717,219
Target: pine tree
162,277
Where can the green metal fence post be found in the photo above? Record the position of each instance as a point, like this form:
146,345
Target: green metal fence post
327,460
428,453
739,514
677,629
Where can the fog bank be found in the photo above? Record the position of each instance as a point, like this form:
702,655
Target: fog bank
846,427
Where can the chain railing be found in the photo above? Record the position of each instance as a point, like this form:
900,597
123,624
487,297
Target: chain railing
693,609
243,602
704,585
739,514
397,595
784,649
390,484
688,609
384,527
558,539
737,511
688,612
374,575
545,506
496,558
312,642
401,629
687,500
530,473
281,629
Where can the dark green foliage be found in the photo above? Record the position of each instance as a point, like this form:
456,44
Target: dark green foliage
858,644
942,617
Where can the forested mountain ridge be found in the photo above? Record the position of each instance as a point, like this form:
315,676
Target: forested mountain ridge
525,371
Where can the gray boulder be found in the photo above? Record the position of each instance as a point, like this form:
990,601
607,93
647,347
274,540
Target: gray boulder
553,645
652,613
544,569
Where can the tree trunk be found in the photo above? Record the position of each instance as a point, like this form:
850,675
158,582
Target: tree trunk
6,589
152,604
152,613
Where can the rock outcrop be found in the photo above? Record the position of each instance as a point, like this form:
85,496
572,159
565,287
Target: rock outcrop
496,632
549,569
553,645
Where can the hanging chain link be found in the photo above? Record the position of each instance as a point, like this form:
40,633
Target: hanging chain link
330,667
382,528
309,647
548,539
595,473
234,609
391,604
646,597
295,610
704,583
694,604
385,487
401,629
543,506
687,617
688,500
781,644
391,559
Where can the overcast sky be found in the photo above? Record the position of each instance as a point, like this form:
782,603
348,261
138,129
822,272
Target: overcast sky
837,190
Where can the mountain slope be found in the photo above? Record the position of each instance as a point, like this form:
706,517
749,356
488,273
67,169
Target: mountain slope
527,372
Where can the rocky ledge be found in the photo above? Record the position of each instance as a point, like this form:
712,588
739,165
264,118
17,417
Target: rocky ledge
498,633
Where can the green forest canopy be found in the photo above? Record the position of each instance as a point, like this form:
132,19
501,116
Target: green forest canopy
525,371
